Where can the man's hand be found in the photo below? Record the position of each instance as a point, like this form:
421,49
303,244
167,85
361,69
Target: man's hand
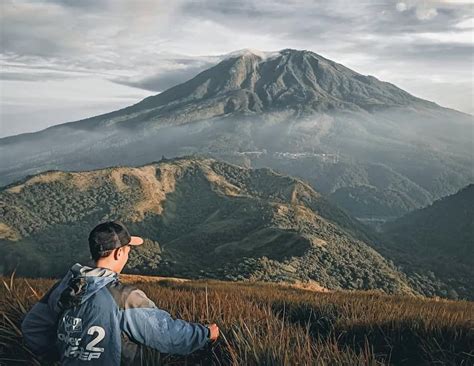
213,332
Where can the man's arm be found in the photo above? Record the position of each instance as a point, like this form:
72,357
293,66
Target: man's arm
148,325
39,325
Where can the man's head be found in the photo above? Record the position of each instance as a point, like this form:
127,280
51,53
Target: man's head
109,244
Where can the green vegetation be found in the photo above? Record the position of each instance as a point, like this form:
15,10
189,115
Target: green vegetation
201,218
438,242
265,324
363,189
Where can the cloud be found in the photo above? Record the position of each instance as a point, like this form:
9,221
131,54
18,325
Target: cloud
428,9
465,24
401,6
29,105
423,10
21,76
166,79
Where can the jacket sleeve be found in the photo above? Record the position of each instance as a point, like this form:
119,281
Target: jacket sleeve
143,322
39,325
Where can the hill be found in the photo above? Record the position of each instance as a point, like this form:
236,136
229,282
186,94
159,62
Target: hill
200,218
373,148
438,240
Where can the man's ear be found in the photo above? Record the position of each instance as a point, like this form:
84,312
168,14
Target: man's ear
116,253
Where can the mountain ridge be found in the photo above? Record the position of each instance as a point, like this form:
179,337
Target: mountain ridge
438,240
252,224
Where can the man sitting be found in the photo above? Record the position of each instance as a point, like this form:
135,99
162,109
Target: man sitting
91,316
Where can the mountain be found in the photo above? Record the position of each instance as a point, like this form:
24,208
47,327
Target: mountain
438,241
376,150
200,218
252,83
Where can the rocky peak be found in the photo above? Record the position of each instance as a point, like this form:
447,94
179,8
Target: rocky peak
254,81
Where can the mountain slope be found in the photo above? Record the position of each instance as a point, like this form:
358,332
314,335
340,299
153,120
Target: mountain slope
302,80
289,111
439,239
248,82
199,218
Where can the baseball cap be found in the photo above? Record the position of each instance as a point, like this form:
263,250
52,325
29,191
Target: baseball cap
111,235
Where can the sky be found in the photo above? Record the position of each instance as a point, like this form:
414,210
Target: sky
65,60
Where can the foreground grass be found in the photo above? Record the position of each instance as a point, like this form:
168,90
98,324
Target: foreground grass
264,324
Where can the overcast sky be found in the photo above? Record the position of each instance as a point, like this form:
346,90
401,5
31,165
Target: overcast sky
63,60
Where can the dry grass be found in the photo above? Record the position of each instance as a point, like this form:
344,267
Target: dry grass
264,324
220,184
7,233
46,177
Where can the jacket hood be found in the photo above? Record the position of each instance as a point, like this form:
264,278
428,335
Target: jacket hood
82,283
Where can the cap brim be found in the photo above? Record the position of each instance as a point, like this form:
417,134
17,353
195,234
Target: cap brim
136,240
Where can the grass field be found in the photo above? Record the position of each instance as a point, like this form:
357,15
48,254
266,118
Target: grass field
265,324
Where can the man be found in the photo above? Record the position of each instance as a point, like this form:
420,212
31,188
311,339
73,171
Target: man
91,318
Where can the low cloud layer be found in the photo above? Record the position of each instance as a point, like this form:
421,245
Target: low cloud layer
142,47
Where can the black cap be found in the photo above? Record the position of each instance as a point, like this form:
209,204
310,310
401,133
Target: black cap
111,235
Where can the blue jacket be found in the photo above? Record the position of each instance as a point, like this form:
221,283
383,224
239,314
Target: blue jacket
91,318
